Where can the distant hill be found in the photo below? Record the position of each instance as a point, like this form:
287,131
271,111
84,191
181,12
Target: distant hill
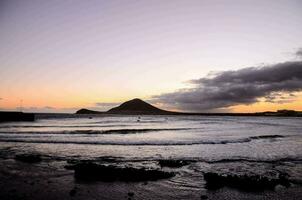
86,111
140,107
134,106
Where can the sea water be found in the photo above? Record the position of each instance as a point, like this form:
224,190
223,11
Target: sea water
225,143
209,138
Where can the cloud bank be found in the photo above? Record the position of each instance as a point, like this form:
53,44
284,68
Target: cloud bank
299,53
274,83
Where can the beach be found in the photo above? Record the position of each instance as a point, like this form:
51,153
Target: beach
50,180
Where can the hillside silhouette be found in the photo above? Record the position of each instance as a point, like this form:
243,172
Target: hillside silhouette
134,106
139,107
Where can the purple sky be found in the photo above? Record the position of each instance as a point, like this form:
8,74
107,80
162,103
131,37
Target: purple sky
68,54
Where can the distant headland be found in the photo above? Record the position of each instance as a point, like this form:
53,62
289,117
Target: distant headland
132,107
139,107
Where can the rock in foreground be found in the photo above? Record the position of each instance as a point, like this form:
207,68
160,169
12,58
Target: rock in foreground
244,182
29,158
173,163
93,171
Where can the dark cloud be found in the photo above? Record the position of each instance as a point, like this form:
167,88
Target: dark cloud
299,53
274,83
279,97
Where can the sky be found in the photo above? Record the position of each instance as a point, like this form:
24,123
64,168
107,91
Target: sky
195,56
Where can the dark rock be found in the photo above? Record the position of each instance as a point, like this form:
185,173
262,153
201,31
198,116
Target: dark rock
13,190
93,171
173,163
69,167
203,197
29,158
130,194
73,192
244,182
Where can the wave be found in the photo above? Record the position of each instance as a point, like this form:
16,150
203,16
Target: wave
145,130
231,160
266,137
160,143
141,143
130,122
96,132
62,126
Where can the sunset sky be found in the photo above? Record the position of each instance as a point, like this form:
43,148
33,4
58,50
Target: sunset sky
195,56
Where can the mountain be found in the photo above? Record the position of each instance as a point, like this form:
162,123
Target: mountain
140,107
134,106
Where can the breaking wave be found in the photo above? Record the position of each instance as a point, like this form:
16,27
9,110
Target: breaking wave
95,132
138,143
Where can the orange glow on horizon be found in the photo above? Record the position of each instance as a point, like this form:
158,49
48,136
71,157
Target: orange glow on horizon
71,101
266,106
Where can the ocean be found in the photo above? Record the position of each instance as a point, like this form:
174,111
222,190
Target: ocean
247,145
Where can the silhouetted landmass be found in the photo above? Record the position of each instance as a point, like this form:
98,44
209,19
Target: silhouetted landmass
86,111
136,106
285,113
16,116
140,107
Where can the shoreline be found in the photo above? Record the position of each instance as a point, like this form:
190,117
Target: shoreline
49,179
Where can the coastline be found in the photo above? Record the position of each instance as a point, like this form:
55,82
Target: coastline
158,157
50,180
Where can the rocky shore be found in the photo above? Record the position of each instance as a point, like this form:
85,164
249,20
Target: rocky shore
33,176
